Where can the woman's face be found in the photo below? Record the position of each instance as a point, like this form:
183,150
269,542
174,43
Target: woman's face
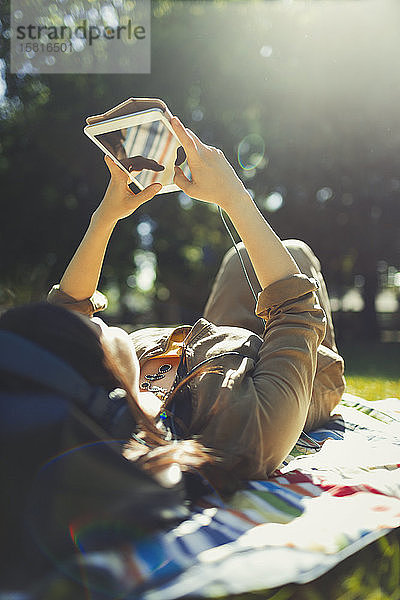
120,348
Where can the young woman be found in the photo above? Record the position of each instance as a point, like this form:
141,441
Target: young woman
243,381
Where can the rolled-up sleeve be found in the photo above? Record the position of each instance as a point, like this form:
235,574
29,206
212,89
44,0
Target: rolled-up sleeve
263,402
328,383
284,372
88,306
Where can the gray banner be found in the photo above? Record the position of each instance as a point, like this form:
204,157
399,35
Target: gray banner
80,36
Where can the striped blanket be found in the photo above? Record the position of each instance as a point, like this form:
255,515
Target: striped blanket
336,492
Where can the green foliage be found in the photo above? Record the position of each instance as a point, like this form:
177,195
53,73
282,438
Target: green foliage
229,69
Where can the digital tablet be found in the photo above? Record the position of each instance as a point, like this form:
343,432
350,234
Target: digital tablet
144,145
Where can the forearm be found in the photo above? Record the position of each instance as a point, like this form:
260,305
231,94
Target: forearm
214,180
82,275
270,259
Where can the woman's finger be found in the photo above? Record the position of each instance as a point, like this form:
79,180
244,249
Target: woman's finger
191,134
111,164
114,169
182,181
184,137
148,193
194,136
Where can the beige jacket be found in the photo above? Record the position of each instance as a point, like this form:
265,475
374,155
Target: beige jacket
278,383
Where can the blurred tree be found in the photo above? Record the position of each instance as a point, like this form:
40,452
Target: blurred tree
322,158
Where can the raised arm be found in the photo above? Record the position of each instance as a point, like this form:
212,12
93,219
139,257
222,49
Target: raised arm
82,274
214,180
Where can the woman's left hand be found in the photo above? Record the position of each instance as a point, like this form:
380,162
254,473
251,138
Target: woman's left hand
213,177
119,201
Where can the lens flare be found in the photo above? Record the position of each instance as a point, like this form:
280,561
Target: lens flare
78,511
273,202
251,151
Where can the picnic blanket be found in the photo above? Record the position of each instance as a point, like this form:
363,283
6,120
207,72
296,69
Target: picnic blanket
336,492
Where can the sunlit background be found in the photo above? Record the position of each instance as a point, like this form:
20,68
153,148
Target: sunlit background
303,98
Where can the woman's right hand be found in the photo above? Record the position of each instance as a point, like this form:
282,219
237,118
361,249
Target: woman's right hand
213,177
119,201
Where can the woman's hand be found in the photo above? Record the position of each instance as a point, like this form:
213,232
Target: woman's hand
213,178
82,274
119,201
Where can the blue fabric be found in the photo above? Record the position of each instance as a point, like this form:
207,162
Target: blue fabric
22,412
28,363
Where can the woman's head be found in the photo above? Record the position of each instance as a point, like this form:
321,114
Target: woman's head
105,357
64,334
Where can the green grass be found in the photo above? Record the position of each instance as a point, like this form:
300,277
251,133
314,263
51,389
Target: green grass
373,388
372,370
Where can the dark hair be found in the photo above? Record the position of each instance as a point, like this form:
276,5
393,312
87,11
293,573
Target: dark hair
64,334
61,332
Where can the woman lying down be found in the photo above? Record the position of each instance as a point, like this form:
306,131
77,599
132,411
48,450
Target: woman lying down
230,395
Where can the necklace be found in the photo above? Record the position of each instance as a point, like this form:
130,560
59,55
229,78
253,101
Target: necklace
160,392
162,371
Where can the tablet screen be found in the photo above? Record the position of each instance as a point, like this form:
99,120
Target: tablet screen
149,151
